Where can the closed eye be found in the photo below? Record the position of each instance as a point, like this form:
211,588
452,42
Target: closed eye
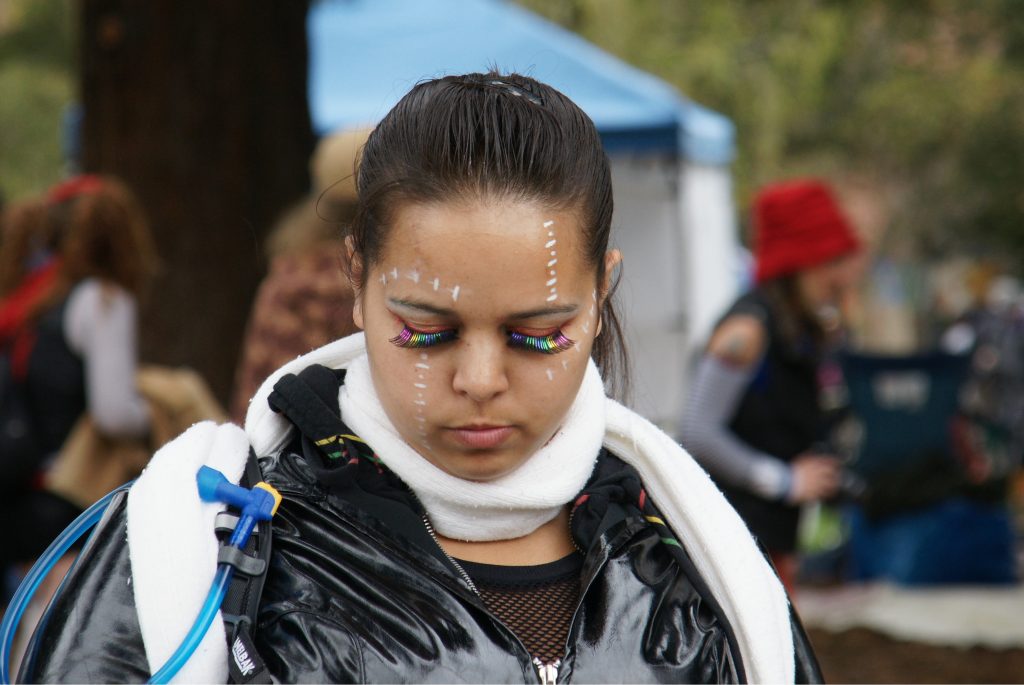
552,343
412,338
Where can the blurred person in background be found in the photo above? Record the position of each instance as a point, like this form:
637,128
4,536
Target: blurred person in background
72,269
753,418
990,435
304,301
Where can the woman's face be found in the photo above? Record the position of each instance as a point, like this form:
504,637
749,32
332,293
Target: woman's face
827,284
479,318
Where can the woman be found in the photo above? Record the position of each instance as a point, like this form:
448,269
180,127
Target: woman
753,418
449,511
304,301
72,270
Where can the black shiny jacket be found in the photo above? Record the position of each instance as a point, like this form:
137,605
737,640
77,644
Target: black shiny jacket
358,590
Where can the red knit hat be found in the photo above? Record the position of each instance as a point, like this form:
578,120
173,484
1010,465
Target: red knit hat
798,224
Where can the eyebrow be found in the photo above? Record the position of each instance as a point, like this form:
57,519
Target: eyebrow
442,311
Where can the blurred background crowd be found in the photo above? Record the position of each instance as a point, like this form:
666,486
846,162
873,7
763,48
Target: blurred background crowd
174,175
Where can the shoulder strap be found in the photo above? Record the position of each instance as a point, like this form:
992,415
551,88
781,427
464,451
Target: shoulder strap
310,401
241,602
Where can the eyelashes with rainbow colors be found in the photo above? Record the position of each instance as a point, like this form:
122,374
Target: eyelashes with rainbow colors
545,344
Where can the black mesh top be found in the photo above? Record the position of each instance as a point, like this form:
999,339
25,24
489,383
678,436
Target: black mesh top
535,602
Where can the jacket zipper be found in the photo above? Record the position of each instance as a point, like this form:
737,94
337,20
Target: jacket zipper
457,565
548,672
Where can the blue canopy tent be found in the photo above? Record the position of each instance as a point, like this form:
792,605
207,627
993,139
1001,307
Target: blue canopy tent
365,54
670,156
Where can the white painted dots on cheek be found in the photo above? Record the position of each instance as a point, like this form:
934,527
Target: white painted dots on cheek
550,245
591,313
420,386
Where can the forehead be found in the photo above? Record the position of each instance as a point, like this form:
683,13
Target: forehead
485,242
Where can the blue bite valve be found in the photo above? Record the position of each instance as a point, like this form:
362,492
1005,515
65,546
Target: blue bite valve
260,502
256,504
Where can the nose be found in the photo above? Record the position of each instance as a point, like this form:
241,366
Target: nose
480,374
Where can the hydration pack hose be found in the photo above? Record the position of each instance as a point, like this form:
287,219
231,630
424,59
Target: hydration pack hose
85,521
257,504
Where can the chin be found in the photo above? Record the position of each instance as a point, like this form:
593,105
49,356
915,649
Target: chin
478,468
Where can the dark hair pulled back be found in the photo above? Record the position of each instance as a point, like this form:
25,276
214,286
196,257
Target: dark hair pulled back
491,135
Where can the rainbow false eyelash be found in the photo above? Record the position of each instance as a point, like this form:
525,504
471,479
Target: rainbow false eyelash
410,338
545,344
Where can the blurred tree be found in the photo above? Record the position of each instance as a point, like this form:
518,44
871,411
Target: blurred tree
201,108
924,99
36,46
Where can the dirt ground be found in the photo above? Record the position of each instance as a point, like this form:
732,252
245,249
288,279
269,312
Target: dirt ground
864,656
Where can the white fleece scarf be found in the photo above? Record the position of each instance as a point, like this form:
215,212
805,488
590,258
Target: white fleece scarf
509,507
714,536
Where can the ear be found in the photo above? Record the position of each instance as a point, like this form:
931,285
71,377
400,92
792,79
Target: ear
354,271
612,259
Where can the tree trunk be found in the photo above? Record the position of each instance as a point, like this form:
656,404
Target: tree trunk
201,108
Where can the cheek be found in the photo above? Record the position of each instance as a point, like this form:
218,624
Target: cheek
551,383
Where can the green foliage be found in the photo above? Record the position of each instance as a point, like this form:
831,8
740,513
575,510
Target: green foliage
925,99
36,84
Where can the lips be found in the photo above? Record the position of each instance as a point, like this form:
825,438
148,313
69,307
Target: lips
482,437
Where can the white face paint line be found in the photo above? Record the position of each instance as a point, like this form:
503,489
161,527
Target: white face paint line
585,327
551,282
394,273
420,402
414,276
383,279
565,365
550,374
436,283
455,293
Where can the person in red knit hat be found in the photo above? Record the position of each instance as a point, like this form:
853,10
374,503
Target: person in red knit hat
753,418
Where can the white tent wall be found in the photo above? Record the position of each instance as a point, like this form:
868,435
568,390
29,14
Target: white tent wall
714,268
675,224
